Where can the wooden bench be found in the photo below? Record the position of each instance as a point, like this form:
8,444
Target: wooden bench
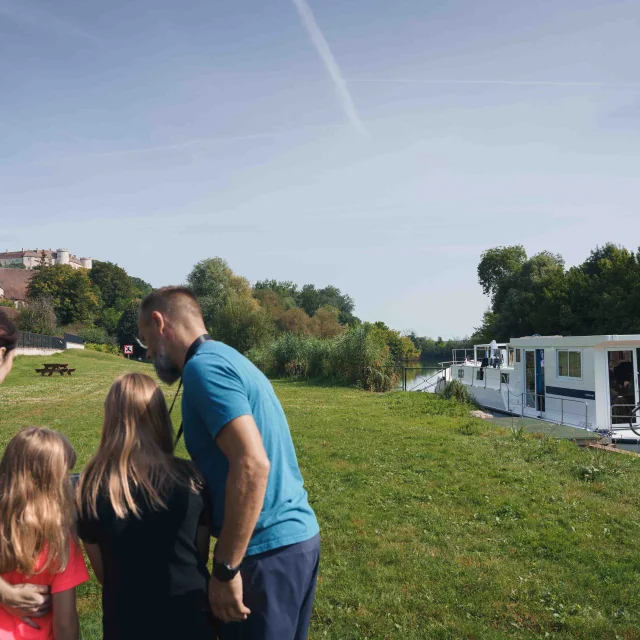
50,369
50,372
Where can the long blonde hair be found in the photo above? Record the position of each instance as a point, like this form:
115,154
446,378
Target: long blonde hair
135,452
36,501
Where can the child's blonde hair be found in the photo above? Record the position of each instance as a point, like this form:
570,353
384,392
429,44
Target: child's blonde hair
36,501
135,452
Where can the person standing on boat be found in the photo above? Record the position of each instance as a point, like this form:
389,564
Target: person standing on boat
495,354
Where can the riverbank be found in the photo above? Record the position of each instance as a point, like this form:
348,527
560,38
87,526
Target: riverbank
433,525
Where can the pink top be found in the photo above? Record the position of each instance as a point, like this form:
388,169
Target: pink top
11,627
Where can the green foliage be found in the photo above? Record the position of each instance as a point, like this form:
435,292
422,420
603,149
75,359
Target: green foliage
38,316
113,283
96,335
127,330
499,264
75,298
108,319
455,390
214,283
538,295
438,350
103,348
242,324
139,288
7,303
359,357
14,265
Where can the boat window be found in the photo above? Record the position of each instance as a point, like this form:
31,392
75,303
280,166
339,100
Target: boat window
504,378
569,364
518,356
460,374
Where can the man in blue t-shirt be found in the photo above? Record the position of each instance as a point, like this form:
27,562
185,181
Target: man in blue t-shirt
268,548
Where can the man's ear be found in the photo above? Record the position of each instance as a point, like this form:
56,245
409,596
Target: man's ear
3,353
157,319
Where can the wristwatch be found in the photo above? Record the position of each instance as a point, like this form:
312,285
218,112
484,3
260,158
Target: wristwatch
224,572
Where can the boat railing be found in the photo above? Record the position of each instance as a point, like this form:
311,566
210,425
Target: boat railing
562,411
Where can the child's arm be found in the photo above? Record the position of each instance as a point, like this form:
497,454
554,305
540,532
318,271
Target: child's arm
95,558
65,616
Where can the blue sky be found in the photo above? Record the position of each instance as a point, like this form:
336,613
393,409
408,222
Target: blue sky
377,146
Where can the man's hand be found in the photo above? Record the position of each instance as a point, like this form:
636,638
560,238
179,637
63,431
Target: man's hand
225,599
26,601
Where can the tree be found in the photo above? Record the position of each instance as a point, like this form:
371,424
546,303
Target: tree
293,320
285,290
139,288
325,323
75,298
213,282
114,284
499,264
127,329
38,316
242,324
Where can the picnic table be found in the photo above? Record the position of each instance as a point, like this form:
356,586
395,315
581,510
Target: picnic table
54,367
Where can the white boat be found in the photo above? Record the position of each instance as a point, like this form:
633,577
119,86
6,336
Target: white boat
588,382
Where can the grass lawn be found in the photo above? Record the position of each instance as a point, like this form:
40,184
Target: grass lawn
433,525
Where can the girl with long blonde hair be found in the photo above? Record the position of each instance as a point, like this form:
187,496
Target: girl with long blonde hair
143,521
37,521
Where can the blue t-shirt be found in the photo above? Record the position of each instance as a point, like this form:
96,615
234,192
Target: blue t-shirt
220,385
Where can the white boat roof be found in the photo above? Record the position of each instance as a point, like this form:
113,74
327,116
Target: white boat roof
575,341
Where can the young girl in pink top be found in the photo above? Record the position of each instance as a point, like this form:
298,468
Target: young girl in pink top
37,544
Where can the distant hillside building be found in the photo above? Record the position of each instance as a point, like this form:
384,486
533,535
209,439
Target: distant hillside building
31,258
14,284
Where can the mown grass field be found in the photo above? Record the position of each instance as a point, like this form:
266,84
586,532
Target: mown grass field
433,525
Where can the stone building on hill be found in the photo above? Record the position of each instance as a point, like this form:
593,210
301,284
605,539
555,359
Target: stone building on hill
31,258
14,284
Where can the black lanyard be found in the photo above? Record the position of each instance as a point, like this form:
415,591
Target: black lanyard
191,351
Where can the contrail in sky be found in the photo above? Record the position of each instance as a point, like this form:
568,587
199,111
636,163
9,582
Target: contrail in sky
324,51
515,83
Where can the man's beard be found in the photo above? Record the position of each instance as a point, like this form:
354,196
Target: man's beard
166,370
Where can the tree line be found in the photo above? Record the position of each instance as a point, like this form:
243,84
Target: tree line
539,295
95,304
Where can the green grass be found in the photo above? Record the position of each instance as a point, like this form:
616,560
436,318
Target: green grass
433,525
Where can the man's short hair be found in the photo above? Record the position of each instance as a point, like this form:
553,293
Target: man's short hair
174,302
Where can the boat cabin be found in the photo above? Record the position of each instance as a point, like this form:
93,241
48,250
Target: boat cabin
590,382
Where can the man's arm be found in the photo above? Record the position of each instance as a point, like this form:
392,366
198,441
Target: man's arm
65,616
241,443
25,600
95,558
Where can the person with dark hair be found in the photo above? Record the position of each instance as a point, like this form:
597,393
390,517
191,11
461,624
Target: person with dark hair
266,559
9,335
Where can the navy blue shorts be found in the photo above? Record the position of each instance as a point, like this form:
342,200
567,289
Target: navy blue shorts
279,587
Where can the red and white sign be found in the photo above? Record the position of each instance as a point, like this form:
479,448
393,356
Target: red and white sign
128,349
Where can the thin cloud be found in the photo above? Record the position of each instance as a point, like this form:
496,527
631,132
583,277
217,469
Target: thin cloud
324,51
30,17
515,83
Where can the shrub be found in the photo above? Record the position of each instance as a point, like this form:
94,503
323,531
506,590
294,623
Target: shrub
7,303
38,316
103,348
454,389
96,335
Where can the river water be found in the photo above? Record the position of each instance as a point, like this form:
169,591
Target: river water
418,374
